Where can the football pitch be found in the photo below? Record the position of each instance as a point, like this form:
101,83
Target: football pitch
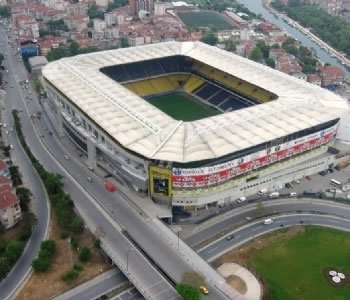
182,107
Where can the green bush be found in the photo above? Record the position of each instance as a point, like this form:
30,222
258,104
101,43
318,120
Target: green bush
78,225
84,254
70,275
78,268
74,242
188,292
43,261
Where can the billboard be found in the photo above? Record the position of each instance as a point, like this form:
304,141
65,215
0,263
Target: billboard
160,181
207,176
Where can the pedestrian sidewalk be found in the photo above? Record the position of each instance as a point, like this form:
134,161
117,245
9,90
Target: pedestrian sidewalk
253,287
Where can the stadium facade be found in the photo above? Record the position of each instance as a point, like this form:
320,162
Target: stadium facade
267,127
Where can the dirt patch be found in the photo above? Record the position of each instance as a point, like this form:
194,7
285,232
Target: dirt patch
49,284
242,254
237,283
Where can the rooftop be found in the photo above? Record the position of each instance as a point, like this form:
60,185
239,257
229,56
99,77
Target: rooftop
144,129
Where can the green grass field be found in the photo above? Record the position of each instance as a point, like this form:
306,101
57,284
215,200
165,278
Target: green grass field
209,19
182,107
292,268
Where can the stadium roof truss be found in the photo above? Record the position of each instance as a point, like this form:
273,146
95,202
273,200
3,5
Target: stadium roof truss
144,129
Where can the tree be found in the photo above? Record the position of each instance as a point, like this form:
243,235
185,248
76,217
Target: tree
265,49
188,292
270,62
210,38
5,11
28,222
13,251
256,54
77,225
84,254
15,176
44,258
24,195
94,12
230,45
57,53
123,42
74,48
1,58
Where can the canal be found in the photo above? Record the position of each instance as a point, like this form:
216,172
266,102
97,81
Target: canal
256,7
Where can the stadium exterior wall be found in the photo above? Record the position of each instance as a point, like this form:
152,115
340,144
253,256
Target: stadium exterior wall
271,178
102,150
96,144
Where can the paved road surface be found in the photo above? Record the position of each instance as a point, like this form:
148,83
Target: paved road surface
255,229
31,179
237,217
81,190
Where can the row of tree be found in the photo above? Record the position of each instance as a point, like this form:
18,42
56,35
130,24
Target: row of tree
75,49
70,223
331,29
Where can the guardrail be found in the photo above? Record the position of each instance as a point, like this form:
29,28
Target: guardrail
124,270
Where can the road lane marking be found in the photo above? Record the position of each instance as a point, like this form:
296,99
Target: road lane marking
212,250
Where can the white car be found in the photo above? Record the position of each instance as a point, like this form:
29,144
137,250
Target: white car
268,221
11,129
241,199
66,157
4,125
7,132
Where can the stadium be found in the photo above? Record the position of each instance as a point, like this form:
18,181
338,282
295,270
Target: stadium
190,124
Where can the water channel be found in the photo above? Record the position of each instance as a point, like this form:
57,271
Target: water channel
256,7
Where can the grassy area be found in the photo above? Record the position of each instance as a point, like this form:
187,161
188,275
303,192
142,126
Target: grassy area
182,107
292,268
209,19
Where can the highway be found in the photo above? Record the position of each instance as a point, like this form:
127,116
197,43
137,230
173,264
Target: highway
145,276
257,228
238,216
39,200
113,213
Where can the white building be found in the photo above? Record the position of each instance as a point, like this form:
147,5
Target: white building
99,25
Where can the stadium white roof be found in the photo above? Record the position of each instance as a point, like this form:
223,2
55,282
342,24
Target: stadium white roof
144,129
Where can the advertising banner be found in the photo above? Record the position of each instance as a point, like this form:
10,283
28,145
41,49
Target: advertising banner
206,176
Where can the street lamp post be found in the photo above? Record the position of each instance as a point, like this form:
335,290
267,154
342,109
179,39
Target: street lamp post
127,259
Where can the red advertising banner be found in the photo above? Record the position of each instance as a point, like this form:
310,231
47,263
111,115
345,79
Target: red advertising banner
203,180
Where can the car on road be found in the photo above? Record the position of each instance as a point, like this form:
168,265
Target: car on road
296,181
288,185
268,221
308,177
241,199
66,157
4,125
230,237
7,132
204,290
91,168
11,147
89,179
11,129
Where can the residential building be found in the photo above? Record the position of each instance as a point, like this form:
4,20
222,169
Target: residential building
99,25
10,210
77,22
331,75
314,79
